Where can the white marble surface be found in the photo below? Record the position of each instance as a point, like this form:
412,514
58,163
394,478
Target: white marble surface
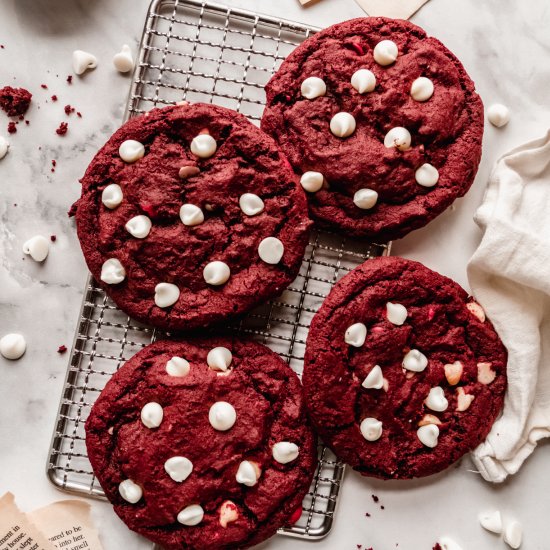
505,47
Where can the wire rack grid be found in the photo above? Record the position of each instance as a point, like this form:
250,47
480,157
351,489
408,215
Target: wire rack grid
198,51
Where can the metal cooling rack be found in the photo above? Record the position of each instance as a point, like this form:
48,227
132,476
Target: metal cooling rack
205,52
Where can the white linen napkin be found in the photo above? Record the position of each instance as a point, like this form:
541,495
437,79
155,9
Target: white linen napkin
398,9
509,275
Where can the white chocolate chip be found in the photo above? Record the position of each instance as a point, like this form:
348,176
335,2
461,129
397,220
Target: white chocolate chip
123,61
448,544
166,294
191,215
498,115
12,346
285,452
342,125
191,515
436,400
82,61
228,513
422,89
271,250
513,534
365,199
178,468
112,272
463,400
204,146
219,359
485,374
251,204
178,366
131,492
222,416
37,248
476,310
139,226
248,473
355,335
312,181
111,196
216,273
313,87
427,175
492,521
428,435
396,313
371,429
4,147
398,138
415,361
363,81
374,380
385,52
131,151
453,372
428,419
152,415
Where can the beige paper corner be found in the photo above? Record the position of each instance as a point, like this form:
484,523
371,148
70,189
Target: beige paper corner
17,530
398,9
68,525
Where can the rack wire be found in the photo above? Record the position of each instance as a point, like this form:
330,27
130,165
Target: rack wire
198,51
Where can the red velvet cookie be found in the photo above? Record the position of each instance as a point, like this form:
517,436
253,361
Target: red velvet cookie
403,373
190,214
203,443
382,124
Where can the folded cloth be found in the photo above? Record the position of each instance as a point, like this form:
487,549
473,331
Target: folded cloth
509,275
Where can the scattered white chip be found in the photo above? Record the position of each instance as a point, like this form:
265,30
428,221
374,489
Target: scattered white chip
123,60
37,248
82,61
498,115
492,521
12,346
4,147
385,52
313,87
513,534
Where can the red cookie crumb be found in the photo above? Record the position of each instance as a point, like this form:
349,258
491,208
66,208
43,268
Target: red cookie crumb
54,97
78,114
12,128
367,514
15,101
43,86
53,238
62,130
437,546
375,498
62,349
70,79
69,110
27,122
295,516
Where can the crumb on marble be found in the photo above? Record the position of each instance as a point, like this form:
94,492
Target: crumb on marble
53,238
70,79
69,110
43,86
375,498
12,128
62,130
14,101
62,349
54,97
